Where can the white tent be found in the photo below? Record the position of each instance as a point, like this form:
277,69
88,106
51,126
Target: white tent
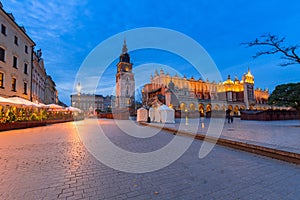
151,114
142,115
166,114
157,117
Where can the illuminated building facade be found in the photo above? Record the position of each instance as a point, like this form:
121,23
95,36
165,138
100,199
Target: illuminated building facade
39,77
125,83
22,72
90,103
16,49
203,96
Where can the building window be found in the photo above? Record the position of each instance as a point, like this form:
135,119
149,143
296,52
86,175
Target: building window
13,84
1,80
26,49
25,88
3,29
15,62
16,40
229,96
2,54
233,96
25,68
250,92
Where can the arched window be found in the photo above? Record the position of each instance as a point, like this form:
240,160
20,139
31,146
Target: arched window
127,90
236,109
13,84
201,108
208,107
216,107
192,106
182,106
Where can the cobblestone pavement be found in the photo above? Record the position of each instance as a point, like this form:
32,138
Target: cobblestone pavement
51,163
282,135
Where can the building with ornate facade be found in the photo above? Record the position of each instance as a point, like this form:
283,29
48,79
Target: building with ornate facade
16,49
22,71
51,94
90,103
124,103
185,94
125,83
39,77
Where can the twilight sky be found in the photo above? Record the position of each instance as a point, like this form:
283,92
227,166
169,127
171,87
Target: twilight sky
67,31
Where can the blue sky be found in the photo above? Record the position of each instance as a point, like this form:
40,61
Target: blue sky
67,31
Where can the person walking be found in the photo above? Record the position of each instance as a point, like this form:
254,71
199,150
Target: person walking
228,116
231,116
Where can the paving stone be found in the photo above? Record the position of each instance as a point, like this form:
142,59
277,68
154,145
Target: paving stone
52,163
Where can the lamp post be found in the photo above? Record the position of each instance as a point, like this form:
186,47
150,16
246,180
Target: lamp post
186,117
78,87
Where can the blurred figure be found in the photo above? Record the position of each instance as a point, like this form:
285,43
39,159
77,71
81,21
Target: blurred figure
231,116
228,115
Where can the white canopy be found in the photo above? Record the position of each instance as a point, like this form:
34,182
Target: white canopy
54,107
166,114
7,101
18,100
73,109
157,115
142,115
151,114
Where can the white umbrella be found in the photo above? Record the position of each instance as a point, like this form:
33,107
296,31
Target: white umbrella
55,107
24,102
70,108
7,101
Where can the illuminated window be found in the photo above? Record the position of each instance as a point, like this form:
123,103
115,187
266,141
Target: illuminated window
192,106
13,84
182,106
1,80
25,88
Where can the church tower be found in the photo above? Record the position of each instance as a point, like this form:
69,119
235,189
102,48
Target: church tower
125,84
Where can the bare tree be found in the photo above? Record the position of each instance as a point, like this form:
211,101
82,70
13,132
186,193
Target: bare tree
275,45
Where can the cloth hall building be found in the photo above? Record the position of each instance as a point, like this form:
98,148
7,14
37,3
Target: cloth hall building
186,94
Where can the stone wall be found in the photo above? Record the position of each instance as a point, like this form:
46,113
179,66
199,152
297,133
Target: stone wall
269,115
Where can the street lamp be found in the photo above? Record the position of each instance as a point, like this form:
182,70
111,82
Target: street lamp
78,87
186,117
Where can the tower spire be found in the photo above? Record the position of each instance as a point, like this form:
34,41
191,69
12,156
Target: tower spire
124,49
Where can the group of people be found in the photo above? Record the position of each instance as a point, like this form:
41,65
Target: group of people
229,116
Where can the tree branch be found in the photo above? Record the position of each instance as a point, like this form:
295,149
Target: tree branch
276,45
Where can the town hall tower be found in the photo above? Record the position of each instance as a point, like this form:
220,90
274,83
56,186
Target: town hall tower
125,84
